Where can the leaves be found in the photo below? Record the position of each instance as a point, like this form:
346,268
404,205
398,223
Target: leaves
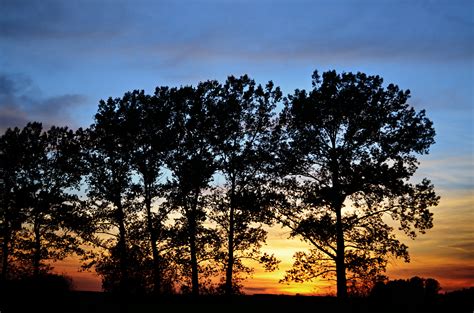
181,183
349,146
40,169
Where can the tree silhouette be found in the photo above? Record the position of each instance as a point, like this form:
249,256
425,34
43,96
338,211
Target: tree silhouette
348,152
12,196
152,128
48,165
244,117
192,166
414,294
181,183
111,190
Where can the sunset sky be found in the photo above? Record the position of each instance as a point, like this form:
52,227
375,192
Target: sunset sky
59,58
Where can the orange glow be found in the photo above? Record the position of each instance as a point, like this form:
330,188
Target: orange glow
82,280
445,253
283,249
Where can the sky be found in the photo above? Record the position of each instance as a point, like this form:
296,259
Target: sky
59,58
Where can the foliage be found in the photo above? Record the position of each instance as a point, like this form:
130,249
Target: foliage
40,208
347,153
192,166
244,118
417,293
111,191
180,185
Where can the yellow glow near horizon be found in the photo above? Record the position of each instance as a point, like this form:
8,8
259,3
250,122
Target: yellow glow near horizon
445,253
283,249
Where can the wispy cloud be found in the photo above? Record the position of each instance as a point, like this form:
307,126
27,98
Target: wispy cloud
181,32
60,20
21,101
445,252
453,173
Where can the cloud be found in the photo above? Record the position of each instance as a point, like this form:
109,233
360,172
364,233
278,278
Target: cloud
306,32
255,290
449,173
174,33
445,252
53,19
21,101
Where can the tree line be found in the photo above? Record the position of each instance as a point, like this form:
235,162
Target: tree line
171,192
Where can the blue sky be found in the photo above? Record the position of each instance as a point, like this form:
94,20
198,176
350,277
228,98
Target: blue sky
59,58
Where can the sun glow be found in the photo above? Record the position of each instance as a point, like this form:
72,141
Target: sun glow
445,253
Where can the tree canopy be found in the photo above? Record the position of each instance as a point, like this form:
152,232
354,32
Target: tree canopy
39,210
348,151
171,192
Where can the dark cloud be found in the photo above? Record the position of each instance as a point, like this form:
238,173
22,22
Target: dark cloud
64,20
256,290
172,32
21,101
302,31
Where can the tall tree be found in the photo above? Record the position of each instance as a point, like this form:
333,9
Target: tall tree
349,152
110,187
50,166
12,196
153,133
243,116
192,165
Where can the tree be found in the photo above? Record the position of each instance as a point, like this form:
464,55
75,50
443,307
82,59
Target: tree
192,167
348,152
11,195
112,194
416,293
243,115
47,167
153,131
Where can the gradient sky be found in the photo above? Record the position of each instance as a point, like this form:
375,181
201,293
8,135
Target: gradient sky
59,58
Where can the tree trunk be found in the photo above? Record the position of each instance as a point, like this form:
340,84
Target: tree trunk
340,258
194,265
230,260
122,245
337,202
192,246
37,248
153,240
5,253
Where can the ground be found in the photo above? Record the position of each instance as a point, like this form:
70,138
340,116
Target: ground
79,302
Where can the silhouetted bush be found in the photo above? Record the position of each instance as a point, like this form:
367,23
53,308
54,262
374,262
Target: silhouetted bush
43,284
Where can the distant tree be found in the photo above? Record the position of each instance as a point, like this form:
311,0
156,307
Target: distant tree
243,116
111,191
414,294
47,168
192,167
347,152
432,287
